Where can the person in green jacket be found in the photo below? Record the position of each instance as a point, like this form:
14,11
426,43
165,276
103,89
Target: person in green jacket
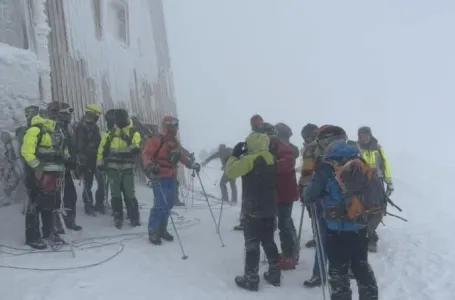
116,156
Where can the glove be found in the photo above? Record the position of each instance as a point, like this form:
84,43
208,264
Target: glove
389,189
196,167
239,149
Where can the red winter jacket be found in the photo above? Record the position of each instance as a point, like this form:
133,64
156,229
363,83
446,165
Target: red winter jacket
286,181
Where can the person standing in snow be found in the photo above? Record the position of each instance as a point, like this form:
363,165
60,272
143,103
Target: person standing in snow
255,164
116,157
287,192
374,155
88,138
223,154
45,152
345,241
160,156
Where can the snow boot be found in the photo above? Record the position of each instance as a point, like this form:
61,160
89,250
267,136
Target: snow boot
70,221
154,237
273,275
37,244
118,220
89,209
164,234
73,226
100,208
286,263
239,227
248,283
310,244
314,281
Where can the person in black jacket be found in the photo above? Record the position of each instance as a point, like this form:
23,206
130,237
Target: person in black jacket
255,164
88,138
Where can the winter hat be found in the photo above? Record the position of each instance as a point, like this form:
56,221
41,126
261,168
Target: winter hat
283,130
94,108
364,130
268,129
256,122
329,133
309,131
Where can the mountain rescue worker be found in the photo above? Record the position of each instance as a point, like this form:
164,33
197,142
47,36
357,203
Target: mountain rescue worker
88,138
256,165
374,155
116,156
30,112
287,192
310,153
45,153
223,154
344,240
160,156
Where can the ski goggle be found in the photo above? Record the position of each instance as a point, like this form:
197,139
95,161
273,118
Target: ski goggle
172,122
66,110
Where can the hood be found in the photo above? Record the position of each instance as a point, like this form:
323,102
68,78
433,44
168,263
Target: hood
257,142
48,123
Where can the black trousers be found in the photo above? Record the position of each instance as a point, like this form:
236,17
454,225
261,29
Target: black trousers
350,249
257,232
88,175
223,187
287,231
44,203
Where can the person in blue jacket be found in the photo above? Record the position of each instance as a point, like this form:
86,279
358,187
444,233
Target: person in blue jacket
346,241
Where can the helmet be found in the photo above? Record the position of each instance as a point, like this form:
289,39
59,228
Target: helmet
94,108
268,129
364,130
59,110
329,133
31,111
109,117
170,125
283,130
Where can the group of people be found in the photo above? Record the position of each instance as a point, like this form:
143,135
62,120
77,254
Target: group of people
345,186
56,151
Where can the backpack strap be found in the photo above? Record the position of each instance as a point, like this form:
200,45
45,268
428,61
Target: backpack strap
162,142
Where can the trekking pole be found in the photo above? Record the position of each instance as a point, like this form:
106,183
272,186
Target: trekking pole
320,252
299,236
62,212
210,208
219,218
192,188
158,184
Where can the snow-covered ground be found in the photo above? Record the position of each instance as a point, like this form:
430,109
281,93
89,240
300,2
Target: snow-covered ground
415,260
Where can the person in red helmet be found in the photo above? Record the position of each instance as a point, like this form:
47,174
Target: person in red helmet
160,156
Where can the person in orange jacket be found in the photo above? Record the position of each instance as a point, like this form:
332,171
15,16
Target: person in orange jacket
160,156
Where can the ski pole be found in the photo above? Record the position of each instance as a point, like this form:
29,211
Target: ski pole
192,189
320,253
158,184
210,208
219,218
299,236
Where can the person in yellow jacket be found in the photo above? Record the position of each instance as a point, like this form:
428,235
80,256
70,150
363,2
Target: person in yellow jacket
374,155
45,154
116,156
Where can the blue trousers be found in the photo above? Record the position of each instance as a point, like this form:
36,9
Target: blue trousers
323,230
164,193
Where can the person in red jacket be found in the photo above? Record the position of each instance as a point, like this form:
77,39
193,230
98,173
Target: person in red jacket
287,192
160,156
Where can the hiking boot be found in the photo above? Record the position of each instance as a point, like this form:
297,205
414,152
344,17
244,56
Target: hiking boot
164,234
239,227
246,283
286,263
118,220
154,237
135,223
89,209
37,244
273,275
100,208
310,244
73,226
55,239
314,281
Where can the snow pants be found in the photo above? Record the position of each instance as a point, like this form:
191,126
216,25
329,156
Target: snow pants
88,175
287,231
43,202
350,249
165,196
121,181
69,199
323,242
257,232
223,187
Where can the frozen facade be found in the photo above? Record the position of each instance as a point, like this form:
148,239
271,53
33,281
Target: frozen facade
111,52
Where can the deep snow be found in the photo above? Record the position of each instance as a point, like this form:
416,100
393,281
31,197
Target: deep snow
415,260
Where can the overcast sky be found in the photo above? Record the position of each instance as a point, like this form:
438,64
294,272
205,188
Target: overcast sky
387,64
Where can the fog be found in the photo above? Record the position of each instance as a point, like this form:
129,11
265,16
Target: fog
387,64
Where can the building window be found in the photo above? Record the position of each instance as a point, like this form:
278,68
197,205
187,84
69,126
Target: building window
97,17
13,26
118,10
